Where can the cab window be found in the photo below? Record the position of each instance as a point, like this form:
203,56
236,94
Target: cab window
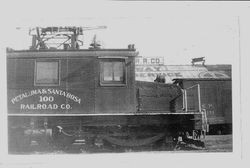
47,73
113,72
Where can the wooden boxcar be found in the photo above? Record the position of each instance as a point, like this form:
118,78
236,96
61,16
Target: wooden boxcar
216,100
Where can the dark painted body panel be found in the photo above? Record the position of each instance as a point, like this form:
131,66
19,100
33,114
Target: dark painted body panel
79,76
154,96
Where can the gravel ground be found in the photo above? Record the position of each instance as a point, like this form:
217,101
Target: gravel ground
219,143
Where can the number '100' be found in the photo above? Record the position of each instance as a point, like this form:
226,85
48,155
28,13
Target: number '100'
46,98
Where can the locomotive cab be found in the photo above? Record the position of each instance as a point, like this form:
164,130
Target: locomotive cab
71,82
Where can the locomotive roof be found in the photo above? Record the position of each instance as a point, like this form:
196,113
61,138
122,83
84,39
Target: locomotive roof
73,53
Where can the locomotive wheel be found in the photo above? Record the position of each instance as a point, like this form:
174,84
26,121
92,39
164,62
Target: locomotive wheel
61,138
219,132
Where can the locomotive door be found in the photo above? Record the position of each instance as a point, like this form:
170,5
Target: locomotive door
80,77
116,85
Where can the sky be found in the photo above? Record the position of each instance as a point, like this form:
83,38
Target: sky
176,31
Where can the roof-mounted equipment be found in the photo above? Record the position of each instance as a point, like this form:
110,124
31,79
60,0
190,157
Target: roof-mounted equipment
66,38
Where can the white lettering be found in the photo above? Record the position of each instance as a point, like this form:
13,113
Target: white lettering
48,91
65,106
40,107
46,98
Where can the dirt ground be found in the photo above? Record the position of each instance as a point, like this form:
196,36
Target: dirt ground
213,143
219,143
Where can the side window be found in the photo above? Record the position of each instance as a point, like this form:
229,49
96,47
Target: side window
47,73
113,72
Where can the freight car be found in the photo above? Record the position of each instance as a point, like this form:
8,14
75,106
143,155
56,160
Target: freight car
216,101
63,96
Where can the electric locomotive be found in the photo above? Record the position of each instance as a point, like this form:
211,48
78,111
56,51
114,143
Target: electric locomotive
62,96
